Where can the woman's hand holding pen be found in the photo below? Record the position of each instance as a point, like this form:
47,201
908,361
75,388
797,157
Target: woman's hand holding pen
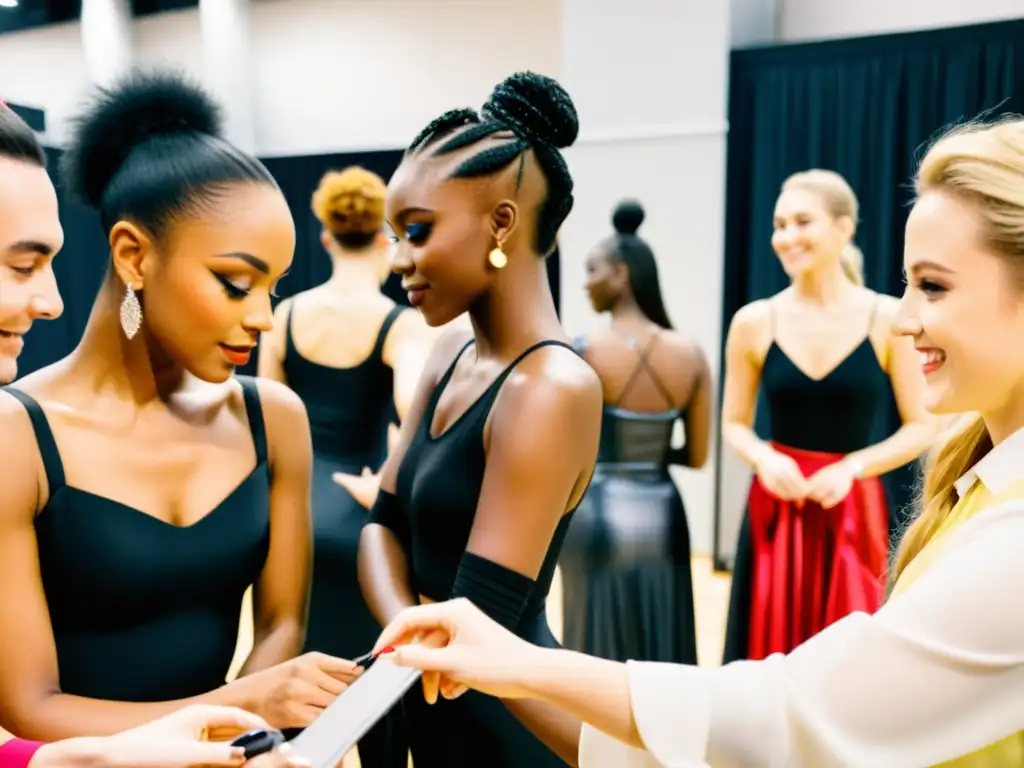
293,694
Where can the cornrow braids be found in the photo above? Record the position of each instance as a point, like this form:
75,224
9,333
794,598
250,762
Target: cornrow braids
540,115
444,124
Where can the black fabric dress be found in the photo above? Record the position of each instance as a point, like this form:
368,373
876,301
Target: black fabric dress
349,410
143,610
439,484
626,579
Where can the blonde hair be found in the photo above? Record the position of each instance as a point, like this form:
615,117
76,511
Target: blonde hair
839,200
984,166
350,203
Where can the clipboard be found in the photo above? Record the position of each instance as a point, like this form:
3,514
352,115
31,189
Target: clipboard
326,741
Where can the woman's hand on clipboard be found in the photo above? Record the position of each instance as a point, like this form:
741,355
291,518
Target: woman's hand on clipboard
457,647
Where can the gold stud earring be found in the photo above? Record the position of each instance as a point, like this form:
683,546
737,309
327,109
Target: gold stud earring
497,258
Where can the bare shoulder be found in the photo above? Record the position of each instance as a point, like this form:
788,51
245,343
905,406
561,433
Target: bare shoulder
282,408
553,380
15,424
20,458
750,331
752,317
684,346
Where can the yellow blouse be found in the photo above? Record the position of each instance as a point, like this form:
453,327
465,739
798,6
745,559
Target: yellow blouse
1009,751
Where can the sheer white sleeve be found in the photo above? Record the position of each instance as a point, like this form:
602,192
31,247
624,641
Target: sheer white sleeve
937,673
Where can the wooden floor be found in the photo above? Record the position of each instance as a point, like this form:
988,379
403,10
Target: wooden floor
711,592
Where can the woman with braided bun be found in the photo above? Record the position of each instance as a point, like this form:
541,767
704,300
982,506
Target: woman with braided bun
348,351
500,440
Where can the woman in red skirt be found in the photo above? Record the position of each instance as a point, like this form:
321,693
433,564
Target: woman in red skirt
814,543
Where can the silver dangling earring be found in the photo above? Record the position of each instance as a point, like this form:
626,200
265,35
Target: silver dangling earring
131,313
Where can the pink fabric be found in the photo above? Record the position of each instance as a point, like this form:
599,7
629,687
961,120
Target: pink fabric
18,753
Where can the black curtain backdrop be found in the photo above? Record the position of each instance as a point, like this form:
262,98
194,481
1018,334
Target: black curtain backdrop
865,108
83,263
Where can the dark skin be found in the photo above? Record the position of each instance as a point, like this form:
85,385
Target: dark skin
163,413
551,403
677,362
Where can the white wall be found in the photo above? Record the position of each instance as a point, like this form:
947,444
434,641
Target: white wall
330,74
364,74
818,19
45,68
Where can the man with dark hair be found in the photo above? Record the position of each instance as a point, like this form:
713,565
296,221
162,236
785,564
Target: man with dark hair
17,140
30,236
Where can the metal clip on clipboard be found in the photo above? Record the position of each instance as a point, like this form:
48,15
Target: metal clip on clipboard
326,741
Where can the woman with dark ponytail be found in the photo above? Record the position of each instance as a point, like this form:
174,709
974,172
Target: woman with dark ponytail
626,561
499,442
145,487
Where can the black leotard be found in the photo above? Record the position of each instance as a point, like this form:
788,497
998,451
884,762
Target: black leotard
143,610
438,484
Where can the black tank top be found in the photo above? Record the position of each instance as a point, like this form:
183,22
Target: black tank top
348,408
439,484
143,610
835,414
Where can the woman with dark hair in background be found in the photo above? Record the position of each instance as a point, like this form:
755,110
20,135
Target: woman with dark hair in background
348,351
628,590
145,488
814,543
499,443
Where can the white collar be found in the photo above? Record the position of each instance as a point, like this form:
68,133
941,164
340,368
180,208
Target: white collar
999,469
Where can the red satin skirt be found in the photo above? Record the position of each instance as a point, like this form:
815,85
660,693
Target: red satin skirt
812,566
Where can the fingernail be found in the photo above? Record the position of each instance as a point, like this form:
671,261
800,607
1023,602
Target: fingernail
385,649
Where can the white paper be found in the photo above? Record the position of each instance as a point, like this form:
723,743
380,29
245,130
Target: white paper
327,739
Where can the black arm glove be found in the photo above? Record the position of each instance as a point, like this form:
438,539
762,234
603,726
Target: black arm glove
494,589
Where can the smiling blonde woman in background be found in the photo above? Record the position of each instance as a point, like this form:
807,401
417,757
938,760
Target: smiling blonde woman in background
814,543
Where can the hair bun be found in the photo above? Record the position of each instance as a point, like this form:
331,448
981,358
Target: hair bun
536,108
628,217
137,108
350,201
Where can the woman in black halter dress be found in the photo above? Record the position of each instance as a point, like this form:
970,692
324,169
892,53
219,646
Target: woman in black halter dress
354,357
813,546
145,488
626,580
500,441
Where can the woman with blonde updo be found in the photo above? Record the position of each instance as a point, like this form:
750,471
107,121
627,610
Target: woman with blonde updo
348,351
814,544
935,676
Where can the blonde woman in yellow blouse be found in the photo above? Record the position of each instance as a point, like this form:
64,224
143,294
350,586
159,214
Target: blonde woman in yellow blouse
936,677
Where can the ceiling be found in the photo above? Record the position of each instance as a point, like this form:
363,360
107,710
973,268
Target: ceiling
40,13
